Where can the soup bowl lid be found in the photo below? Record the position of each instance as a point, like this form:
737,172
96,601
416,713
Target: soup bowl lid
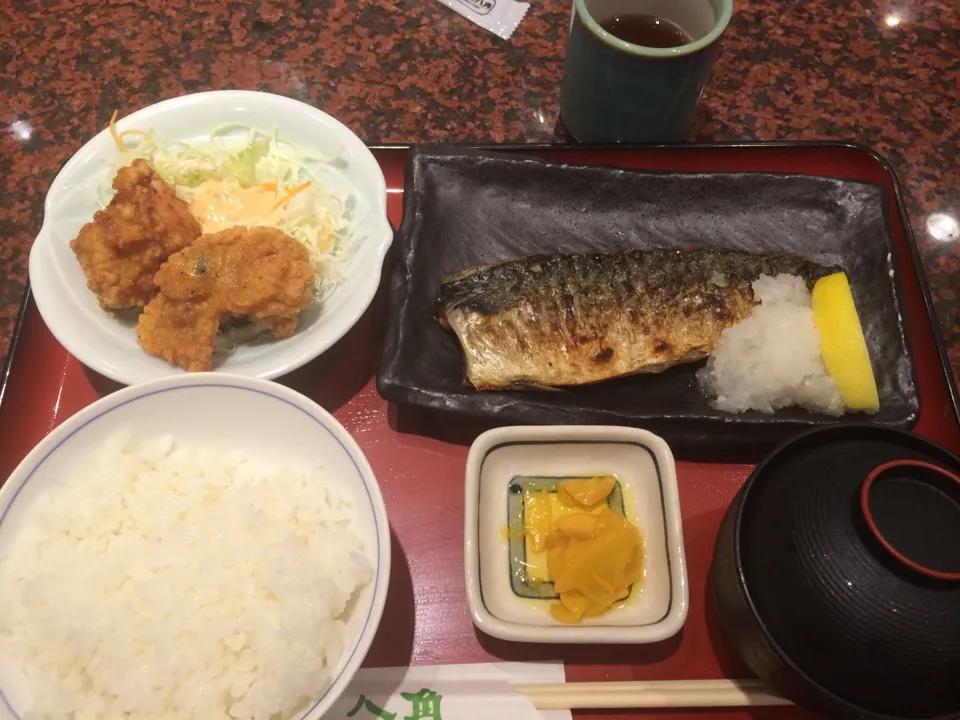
847,544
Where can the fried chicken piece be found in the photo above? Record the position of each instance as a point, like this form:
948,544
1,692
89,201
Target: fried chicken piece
124,246
261,273
181,332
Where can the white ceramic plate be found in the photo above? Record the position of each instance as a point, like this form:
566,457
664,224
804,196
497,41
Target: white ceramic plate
228,412
645,468
109,346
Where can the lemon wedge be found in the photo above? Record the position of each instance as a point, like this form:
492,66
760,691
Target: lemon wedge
842,344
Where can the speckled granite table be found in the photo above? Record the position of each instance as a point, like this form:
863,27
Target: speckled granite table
885,73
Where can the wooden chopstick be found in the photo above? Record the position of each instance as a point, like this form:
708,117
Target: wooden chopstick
651,694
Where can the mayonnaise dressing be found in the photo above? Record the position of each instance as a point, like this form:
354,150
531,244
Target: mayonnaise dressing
219,205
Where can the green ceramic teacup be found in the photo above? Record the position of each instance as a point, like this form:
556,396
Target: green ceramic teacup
615,91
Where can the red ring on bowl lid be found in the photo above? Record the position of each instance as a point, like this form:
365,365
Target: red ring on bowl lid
869,485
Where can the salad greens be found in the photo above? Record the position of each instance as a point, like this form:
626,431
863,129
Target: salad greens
237,156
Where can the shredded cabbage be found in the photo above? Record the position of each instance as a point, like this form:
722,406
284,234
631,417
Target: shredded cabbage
242,156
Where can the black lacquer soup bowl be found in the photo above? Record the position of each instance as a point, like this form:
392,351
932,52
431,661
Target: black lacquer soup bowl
836,573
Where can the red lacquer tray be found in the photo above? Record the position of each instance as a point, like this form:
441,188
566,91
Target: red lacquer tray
419,458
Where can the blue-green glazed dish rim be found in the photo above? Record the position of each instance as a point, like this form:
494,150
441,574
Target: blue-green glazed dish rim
643,51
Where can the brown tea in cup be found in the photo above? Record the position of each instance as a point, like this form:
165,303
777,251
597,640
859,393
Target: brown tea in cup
646,30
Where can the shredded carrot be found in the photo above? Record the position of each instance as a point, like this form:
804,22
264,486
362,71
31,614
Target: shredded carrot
113,132
269,186
326,243
290,193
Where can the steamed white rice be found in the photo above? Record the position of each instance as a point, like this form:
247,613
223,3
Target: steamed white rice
171,581
771,359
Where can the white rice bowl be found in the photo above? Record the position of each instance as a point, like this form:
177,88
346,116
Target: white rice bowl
151,569
771,359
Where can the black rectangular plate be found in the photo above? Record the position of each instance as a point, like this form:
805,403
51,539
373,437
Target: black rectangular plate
467,207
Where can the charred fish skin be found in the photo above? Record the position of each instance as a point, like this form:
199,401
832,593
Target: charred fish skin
563,320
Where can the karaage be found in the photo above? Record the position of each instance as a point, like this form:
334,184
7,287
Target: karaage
121,250
260,273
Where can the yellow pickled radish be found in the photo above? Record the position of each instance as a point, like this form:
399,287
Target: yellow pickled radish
537,519
593,560
842,343
587,493
577,525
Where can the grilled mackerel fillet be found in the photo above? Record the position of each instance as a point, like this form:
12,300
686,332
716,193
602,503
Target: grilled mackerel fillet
553,321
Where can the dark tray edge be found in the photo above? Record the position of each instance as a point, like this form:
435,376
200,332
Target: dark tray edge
875,156
14,342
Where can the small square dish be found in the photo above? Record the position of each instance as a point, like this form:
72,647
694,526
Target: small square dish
518,482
